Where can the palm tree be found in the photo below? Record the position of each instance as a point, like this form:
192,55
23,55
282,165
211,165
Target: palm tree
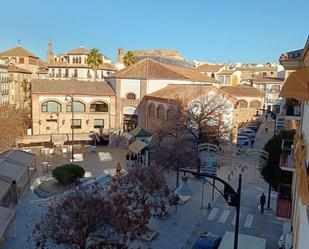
94,60
129,58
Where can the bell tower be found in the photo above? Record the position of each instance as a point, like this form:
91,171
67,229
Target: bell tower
50,54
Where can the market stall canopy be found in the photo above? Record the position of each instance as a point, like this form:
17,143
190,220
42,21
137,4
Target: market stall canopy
127,135
137,146
7,217
140,132
296,85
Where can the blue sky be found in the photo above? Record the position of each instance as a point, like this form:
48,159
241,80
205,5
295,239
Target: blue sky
218,31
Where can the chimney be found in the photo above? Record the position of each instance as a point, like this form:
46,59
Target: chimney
120,55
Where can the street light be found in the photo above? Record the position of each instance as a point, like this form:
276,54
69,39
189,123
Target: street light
72,123
274,116
231,196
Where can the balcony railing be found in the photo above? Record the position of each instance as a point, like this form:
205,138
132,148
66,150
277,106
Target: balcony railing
287,156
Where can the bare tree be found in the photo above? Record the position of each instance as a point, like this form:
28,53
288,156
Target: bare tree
199,119
105,217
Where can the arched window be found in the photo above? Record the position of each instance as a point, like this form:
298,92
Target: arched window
170,114
243,104
99,106
51,106
255,104
73,59
78,107
151,111
131,96
212,75
160,112
79,60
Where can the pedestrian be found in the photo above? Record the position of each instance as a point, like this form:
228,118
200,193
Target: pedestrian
118,168
266,128
127,159
266,117
262,202
132,160
252,142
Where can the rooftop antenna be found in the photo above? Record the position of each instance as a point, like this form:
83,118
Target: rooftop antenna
81,44
18,43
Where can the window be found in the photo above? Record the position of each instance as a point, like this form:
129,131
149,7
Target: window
131,96
78,107
66,72
98,123
212,75
255,104
221,79
51,106
227,80
79,60
21,60
33,61
151,110
264,73
243,104
275,88
76,123
160,112
98,107
75,73
170,114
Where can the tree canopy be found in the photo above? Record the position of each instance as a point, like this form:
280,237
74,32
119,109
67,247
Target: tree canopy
94,60
272,172
108,216
129,58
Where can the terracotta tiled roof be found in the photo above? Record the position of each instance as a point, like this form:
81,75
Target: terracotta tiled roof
16,69
242,91
209,67
80,50
42,64
150,69
71,87
18,51
56,64
185,91
268,80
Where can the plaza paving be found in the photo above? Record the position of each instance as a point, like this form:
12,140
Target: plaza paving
185,222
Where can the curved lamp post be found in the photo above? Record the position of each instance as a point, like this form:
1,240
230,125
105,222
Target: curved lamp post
231,196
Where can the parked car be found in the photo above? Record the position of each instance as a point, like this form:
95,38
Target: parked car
253,127
242,141
279,127
250,133
207,241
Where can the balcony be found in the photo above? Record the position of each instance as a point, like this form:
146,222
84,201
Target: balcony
292,110
287,156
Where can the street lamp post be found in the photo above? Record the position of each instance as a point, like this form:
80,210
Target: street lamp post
231,196
72,124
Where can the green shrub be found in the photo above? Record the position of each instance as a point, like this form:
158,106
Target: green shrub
68,173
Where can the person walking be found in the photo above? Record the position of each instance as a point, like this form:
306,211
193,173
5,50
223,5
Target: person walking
118,168
262,202
266,128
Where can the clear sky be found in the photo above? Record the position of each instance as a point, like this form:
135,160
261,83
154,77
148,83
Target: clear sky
208,30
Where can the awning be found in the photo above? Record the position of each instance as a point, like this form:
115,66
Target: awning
7,217
127,135
296,85
137,146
